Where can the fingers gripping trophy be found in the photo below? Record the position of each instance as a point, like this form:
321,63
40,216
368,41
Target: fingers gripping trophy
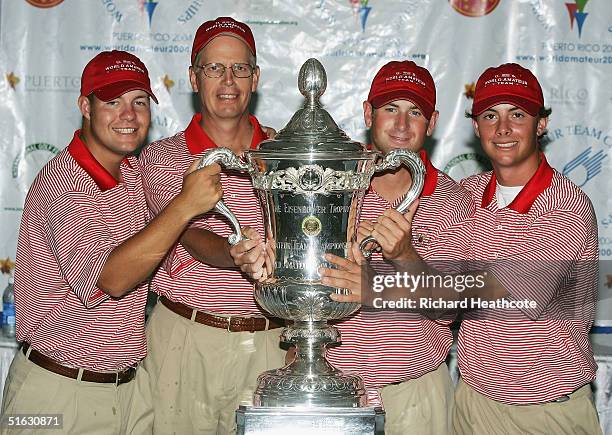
311,180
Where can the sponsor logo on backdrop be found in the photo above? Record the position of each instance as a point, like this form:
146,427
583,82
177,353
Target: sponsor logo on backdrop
148,7
26,165
354,44
605,246
324,12
44,3
145,42
168,82
571,51
566,95
191,11
181,86
577,15
165,122
464,165
52,83
163,126
12,80
474,8
361,10
595,143
541,13
607,221
584,166
112,9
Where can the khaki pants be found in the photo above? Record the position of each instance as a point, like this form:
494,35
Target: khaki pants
477,414
420,406
200,374
86,407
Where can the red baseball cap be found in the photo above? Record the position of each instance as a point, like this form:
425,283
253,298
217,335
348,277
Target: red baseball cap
221,26
404,81
113,73
508,83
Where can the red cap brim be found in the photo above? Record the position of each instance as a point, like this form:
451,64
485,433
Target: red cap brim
403,94
115,90
531,107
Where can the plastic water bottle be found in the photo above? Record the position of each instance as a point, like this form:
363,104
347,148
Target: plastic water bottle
8,310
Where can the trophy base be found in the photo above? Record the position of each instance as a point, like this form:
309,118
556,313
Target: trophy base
283,388
255,420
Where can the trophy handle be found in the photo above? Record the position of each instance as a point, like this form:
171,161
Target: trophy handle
417,169
228,160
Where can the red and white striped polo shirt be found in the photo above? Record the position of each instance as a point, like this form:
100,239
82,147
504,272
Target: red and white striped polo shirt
182,278
541,247
75,214
386,346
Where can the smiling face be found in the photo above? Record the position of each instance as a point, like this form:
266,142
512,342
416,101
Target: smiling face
113,129
398,124
225,97
509,137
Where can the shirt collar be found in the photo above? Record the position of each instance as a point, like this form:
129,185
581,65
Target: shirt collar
539,182
86,160
198,141
431,175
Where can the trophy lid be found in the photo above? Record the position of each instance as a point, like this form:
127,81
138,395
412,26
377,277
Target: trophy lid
311,129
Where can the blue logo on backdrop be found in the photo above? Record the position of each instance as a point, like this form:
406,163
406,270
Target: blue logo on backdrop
594,144
361,10
591,164
148,6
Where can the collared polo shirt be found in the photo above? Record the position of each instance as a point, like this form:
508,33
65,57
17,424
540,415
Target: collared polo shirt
386,346
542,247
75,214
182,278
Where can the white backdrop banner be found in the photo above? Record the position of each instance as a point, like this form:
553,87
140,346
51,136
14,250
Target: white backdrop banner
568,44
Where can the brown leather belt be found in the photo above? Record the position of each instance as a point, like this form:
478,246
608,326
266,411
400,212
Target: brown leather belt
232,324
47,363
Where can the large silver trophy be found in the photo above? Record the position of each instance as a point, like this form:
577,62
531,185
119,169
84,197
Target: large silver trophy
311,180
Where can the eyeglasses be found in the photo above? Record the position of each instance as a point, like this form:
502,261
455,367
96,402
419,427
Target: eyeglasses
216,70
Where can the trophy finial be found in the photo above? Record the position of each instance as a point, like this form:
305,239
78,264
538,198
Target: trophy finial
312,80
311,127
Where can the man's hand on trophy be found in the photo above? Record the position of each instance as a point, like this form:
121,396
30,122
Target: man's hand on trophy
269,131
351,273
290,355
393,232
249,254
270,259
201,189
365,230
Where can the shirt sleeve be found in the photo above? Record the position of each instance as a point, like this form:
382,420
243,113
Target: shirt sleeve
81,242
555,266
162,182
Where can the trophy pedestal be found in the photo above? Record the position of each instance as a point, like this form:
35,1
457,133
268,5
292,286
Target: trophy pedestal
252,420
309,381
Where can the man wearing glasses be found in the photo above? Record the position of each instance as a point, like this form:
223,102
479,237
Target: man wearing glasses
207,339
